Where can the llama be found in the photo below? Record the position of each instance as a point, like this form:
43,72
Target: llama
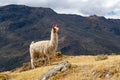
46,48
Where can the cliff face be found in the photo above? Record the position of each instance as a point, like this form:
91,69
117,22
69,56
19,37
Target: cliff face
19,25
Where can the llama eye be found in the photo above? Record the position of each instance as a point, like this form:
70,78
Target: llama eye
54,28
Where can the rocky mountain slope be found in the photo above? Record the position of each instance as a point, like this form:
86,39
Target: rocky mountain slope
20,24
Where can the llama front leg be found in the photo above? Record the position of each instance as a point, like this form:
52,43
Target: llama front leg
54,56
48,59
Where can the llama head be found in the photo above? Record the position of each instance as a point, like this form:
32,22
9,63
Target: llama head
55,28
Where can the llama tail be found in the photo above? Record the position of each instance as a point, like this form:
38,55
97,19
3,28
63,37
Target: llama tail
32,42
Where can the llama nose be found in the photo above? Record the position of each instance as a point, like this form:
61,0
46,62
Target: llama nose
57,29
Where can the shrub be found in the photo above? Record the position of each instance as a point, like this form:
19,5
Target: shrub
59,54
3,77
113,54
101,57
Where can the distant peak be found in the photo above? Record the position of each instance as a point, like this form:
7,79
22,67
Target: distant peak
16,7
95,17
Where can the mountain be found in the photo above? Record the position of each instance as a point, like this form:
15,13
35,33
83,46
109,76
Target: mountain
20,25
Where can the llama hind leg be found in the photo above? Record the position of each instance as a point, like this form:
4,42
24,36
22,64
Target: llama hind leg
45,60
32,61
32,64
32,56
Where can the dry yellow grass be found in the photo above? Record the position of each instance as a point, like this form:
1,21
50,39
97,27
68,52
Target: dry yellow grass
83,68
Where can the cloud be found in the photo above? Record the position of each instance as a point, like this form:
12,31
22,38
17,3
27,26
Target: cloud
107,8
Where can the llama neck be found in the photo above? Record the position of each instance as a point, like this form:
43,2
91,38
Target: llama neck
54,38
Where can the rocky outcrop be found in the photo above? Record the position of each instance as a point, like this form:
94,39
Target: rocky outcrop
61,67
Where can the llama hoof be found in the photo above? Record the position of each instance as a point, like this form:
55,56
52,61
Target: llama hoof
32,67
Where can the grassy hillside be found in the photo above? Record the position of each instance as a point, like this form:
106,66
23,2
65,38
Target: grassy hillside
82,68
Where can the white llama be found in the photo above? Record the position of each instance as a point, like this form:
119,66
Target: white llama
46,48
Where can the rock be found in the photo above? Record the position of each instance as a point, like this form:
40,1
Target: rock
61,67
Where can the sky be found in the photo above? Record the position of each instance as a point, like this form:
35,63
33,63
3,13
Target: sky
106,8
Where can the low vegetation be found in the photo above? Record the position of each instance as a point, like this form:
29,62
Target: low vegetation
3,77
107,71
82,68
101,57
